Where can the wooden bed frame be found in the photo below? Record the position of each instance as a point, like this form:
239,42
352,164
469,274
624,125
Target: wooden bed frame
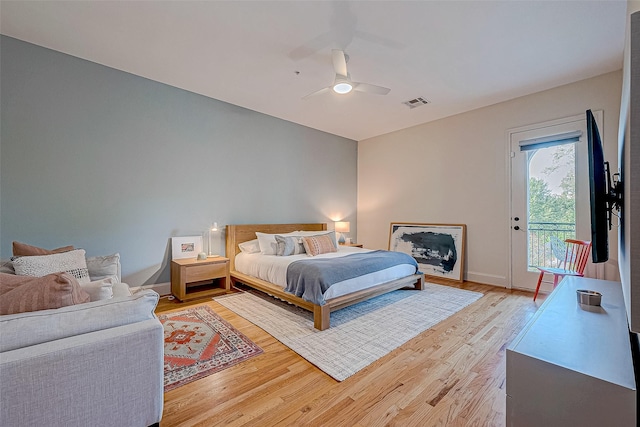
237,234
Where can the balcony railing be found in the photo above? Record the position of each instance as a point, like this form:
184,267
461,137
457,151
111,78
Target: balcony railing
546,242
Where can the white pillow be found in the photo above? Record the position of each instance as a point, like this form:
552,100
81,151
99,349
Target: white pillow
102,267
72,262
267,242
250,247
99,289
6,266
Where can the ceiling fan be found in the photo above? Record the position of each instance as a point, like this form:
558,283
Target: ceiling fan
343,83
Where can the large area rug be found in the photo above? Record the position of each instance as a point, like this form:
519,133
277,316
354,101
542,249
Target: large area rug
197,343
359,334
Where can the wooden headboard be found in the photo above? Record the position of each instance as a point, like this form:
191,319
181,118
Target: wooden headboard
237,234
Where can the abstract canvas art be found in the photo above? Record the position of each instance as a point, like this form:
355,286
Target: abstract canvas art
438,248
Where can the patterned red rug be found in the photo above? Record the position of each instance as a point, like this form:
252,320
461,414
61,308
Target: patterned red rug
197,343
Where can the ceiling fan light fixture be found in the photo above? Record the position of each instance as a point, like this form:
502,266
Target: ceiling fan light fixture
342,87
342,84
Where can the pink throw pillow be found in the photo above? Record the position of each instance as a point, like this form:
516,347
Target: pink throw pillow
316,245
40,293
22,249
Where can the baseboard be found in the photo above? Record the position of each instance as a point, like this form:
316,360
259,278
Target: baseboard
486,279
160,288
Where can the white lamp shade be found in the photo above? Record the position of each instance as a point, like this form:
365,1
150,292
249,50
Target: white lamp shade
213,239
342,226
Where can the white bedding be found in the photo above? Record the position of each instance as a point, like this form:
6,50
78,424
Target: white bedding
273,269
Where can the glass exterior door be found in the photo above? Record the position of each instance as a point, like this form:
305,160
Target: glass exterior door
549,198
551,212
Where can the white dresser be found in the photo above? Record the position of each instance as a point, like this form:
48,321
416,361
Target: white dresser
572,365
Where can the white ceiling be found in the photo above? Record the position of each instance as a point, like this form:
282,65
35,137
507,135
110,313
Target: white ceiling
458,55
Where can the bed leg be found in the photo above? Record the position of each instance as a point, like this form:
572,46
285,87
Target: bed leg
420,284
321,317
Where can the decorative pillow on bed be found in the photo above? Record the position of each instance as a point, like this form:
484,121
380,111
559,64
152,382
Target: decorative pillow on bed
330,233
22,249
250,247
289,245
267,242
72,262
316,245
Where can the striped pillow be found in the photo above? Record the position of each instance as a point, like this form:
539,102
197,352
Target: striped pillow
289,245
316,245
40,293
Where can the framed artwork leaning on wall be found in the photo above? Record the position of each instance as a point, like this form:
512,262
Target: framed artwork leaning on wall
186,247
438,248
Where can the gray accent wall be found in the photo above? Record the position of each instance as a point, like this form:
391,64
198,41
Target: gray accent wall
112,162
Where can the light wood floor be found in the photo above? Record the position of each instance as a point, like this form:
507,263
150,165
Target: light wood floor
452,374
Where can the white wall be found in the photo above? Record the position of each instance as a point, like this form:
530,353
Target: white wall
629,150
112,162
455,171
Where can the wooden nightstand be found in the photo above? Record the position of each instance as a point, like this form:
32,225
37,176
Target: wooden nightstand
191,278
353,245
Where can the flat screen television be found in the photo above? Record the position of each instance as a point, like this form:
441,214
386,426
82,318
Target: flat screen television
605,197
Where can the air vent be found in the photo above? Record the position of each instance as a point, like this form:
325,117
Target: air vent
417,102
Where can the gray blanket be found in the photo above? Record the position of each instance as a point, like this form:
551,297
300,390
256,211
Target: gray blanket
310,279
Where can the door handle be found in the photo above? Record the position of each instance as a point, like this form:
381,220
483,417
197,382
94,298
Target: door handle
516,228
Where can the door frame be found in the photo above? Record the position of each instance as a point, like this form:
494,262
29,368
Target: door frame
598,114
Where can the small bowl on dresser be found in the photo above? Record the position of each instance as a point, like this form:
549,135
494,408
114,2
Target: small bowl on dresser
587,297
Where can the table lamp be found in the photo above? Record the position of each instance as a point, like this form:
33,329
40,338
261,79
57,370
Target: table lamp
213,230
342,227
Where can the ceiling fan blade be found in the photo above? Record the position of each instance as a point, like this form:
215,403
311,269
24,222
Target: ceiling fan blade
312,46
339,62
367,88
318,92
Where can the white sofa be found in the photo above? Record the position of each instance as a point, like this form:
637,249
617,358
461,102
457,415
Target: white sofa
94,364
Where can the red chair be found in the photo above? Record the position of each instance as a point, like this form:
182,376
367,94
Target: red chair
575,260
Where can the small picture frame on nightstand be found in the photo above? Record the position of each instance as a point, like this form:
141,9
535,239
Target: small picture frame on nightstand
186,247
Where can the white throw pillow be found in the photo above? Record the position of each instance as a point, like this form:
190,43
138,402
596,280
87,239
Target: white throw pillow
6,266
72,262
250,247
102,267
99,289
